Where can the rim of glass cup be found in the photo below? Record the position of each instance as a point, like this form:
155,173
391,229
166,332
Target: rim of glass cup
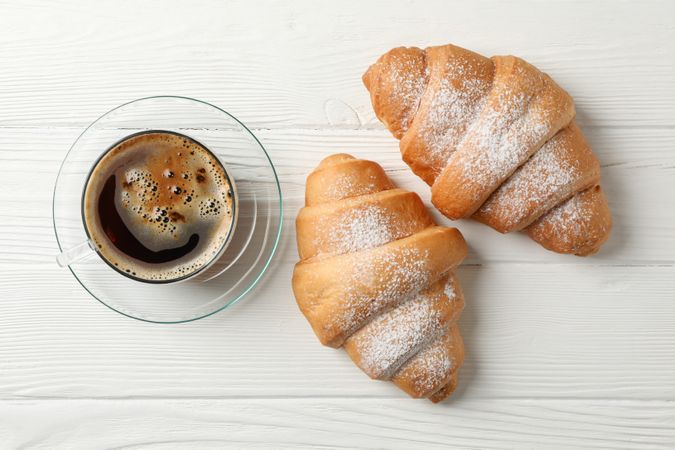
223,246
277,238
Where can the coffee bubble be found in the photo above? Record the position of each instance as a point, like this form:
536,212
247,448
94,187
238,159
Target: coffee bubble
159,205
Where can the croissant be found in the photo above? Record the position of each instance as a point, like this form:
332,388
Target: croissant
496,140
376,277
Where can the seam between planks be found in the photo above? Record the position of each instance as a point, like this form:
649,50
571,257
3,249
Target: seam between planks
519,399
319,127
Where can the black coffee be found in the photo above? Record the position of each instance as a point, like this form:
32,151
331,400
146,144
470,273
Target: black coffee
159,206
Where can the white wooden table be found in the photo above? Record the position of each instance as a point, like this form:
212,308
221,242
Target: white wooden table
562,351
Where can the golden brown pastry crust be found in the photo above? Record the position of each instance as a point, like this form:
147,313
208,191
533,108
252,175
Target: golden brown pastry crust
375,276
562,167
339,294
437,380
586,220
494,138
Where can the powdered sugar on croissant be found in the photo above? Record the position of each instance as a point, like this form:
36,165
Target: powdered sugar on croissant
496,140
375,276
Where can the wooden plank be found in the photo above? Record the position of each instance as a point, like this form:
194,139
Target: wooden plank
299,63
562,352
531,331
336,423
639,167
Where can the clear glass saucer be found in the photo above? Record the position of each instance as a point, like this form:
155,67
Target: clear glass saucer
257,231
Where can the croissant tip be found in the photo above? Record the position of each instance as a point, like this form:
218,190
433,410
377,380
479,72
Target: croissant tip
365,78
334,159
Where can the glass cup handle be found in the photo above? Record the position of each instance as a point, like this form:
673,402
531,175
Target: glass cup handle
75,254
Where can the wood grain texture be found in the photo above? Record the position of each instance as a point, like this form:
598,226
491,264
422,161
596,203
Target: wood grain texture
562,352
638,174
530,331
286,64
336,423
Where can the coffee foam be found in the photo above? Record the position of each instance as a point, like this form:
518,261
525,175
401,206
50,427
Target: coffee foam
167,188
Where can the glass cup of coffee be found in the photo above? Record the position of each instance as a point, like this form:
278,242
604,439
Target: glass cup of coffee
167,209
157,207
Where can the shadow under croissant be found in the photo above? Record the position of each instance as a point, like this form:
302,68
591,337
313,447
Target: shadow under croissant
614,187
469,278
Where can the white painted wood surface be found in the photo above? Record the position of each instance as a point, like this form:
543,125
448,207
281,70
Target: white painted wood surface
563,352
